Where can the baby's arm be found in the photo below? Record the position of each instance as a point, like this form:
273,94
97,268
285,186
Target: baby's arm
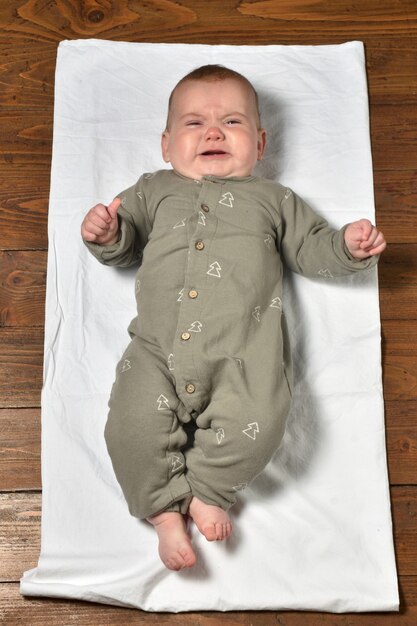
364,240
101,225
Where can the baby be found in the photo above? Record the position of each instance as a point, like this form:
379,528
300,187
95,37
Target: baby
202,392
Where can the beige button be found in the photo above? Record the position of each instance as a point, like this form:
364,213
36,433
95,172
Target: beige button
185,336
193,293
199,245
190,388
205,208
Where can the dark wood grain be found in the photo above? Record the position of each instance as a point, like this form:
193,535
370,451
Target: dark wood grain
23,280
400,360
30,31
398,284
20,449
396,202
20,517
393,132
398,16
401,428
21,359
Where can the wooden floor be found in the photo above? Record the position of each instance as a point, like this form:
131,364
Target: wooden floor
29,33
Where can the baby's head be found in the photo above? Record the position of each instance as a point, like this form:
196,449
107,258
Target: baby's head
213,125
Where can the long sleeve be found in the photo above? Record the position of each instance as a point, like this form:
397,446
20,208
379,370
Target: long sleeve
309,246
135,227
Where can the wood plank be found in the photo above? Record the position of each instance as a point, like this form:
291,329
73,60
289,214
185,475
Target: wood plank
401,430
400,377
17,610
396,204
399,337
24,215
198,20
26,147
20,449
398,266
398,302
398,283
27,79
21,366
375,13
23,280
404,513
399,349
399,359
31,174
393,132
27,132
58,20
20,529
391,74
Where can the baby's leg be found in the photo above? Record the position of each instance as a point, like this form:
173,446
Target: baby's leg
212,521
144,434
237,433
175,547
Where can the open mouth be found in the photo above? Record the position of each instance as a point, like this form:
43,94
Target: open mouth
214,153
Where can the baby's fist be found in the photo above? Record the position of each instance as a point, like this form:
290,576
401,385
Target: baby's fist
363,239
101,225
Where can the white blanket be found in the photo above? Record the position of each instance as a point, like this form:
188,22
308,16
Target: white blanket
314,530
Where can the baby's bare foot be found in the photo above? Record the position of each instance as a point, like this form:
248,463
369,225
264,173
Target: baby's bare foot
175,547
211,521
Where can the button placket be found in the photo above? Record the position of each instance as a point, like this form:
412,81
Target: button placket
201,229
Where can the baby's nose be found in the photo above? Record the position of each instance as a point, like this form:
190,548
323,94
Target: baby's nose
214,132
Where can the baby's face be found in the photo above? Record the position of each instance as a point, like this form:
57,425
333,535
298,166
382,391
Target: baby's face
213,130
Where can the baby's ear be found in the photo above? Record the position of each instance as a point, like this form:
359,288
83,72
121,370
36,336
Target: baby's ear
261,142
165,146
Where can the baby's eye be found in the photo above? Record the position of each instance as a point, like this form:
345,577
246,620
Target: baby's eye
232,122
193,123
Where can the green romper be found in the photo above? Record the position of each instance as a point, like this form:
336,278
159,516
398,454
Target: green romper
202,391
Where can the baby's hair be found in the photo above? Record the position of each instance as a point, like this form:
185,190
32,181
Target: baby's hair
211,74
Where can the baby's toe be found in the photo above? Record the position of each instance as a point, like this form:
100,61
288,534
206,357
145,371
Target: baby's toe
188,557
174,563
210,532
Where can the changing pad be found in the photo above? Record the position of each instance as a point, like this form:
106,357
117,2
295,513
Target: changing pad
314,530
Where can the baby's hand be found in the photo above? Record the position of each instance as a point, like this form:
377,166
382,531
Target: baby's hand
364,240
101,225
